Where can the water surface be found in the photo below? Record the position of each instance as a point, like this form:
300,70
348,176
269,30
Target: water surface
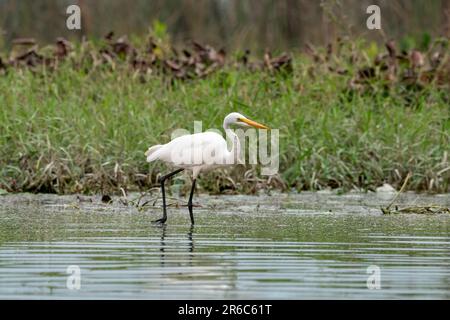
304,246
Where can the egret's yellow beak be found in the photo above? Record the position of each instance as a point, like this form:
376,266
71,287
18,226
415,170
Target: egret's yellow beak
253,123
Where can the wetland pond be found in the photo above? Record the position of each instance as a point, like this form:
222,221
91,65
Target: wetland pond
282,246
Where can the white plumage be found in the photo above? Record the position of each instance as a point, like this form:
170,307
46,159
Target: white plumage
196,152
200,152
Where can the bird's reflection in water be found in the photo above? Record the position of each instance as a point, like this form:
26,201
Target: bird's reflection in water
164,245
191,240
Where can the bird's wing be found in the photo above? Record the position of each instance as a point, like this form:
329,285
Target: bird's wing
188,145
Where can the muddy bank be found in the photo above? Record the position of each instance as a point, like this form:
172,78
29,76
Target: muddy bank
326,202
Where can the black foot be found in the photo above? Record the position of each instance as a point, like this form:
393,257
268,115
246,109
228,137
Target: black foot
160,221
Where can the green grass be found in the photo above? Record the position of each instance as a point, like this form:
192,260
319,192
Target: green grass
71,131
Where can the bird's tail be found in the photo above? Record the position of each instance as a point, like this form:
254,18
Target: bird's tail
150,153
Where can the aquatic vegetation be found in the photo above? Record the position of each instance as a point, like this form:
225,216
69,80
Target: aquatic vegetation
416,209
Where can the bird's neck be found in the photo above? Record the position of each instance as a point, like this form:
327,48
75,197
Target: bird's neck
235,151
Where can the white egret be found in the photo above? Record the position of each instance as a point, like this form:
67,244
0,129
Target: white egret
199,152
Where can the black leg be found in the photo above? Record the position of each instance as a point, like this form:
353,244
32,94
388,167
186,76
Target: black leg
162,180
190,202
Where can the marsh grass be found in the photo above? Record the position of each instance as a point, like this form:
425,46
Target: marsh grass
85,130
